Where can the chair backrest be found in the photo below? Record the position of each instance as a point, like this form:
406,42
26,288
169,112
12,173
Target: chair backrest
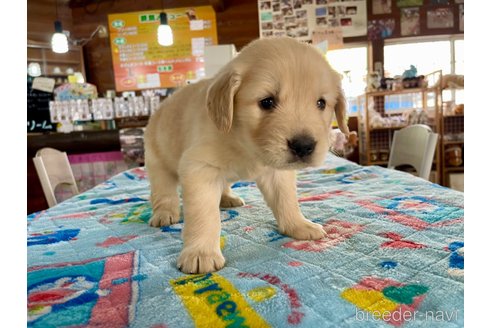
53,169
414,145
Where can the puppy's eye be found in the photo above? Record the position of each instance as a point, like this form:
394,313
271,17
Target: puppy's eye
321,104
267,103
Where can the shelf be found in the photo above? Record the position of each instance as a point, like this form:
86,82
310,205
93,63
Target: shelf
383,128
449,116
56,61
399,92
41,53
454,169
453,142
377,163
429,99
56,75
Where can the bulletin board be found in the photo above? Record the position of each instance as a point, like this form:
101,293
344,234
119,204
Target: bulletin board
140,63
299,18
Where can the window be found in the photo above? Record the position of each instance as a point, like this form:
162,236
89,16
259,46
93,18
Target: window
445,53
458,96
427,57
351,62
459,57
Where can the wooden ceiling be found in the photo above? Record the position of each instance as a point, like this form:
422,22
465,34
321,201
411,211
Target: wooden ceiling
219,5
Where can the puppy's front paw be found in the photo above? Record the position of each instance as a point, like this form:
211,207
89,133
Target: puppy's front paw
198,261
227,201
163,217
306,230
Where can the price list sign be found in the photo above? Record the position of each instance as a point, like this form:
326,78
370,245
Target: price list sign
140,62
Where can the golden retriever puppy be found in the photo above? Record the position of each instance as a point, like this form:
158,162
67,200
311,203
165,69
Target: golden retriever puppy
264,115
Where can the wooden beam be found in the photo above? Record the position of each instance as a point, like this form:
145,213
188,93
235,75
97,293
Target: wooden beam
218,5
83,3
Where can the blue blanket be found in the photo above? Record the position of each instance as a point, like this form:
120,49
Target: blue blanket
394,256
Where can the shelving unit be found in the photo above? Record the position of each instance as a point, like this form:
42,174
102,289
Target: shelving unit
452,126
375,140
49,61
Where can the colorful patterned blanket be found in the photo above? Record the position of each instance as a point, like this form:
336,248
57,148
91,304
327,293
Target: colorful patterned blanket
394,256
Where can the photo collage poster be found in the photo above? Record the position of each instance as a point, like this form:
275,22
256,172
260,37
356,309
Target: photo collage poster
300,18
410,21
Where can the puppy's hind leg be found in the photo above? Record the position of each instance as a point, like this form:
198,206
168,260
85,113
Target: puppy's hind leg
230,199
164,195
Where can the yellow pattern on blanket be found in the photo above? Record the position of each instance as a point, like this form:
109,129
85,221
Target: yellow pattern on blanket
212,301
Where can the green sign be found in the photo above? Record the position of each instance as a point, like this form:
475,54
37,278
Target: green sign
118,23
119,41
148,18
165,68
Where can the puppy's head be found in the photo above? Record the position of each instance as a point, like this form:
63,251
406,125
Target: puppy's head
279,97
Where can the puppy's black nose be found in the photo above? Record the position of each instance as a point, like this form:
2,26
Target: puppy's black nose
302,145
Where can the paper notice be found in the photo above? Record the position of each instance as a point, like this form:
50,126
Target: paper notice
197,46
334,37
196,25
44,84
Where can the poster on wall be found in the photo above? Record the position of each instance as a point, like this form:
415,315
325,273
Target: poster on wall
333,37
139,62
410,21
380,28
381,7
299,18
440,18
409,3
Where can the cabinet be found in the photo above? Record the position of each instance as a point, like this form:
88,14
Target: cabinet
54,65
452,140
381,113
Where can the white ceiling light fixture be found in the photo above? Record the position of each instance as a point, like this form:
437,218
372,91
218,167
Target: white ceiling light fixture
164,32
59,41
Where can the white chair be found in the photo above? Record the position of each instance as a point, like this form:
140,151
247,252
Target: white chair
53,169
414,145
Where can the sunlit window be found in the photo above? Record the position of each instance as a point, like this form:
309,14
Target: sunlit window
459,68
459,57
427,57
352,64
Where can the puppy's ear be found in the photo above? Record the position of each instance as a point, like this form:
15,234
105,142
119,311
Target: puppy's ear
341,112
220,98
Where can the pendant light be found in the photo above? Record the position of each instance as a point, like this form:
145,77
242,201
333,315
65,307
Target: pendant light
164,32
59,41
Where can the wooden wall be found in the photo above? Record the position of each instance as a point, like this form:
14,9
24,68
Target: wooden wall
41,16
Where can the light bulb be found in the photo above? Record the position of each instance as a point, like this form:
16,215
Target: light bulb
164,32
165,35
59,41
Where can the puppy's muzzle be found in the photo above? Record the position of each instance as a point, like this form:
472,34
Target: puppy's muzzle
302,146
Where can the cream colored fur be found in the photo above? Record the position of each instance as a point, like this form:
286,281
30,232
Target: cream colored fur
213,133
